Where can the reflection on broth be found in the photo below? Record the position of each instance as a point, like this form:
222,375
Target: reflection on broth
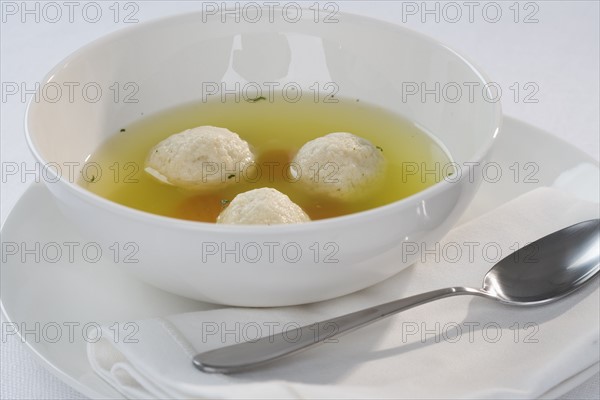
275,131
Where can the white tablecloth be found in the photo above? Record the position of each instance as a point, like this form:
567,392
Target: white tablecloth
553,62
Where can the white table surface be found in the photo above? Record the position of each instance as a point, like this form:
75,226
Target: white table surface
558,54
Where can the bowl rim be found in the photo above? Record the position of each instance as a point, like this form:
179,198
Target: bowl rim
338,222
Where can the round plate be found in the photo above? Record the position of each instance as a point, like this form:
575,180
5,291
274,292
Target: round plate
67,297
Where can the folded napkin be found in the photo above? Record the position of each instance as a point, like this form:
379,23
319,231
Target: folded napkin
462,347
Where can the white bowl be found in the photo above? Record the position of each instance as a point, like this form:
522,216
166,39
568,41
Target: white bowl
170,58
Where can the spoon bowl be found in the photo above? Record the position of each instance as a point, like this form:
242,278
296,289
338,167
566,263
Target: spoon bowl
549,268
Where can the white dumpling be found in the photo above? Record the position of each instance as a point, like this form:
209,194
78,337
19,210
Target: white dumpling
202,157
264,206
339,165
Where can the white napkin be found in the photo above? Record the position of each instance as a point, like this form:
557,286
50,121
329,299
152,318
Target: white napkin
463,347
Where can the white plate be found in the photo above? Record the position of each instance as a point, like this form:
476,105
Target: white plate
65,292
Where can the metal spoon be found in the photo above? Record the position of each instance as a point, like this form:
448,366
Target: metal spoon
541,272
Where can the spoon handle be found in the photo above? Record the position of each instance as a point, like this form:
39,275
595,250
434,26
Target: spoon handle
247,355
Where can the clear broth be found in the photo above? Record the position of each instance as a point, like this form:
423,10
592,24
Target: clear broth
275,130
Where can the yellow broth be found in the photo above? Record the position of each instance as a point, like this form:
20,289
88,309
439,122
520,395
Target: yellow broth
275,131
